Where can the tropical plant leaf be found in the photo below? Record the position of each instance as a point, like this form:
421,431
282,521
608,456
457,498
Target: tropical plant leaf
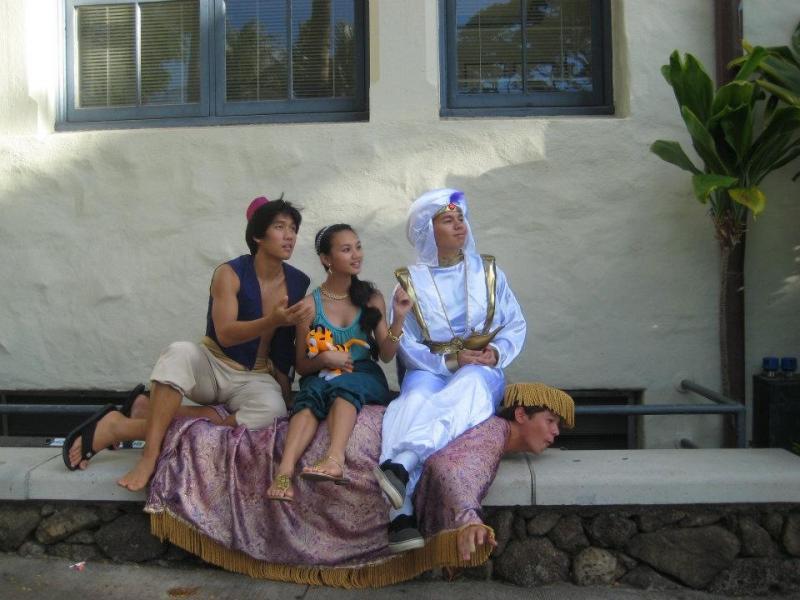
752,197
699,89
705,183
789,157
733,95
737,126
784,121
666,71
673,153
691,84
751,64
781,92
775,158
703,142
782,72
769,109
762,160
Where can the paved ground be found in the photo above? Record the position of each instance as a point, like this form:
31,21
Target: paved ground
34,578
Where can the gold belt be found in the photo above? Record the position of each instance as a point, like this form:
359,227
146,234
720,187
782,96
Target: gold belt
475,341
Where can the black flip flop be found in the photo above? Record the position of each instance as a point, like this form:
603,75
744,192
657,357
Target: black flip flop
127,406
86,432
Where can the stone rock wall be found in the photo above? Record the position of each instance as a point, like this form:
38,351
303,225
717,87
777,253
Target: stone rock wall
730,550
115,531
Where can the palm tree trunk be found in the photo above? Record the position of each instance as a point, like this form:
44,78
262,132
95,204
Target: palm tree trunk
728,29
731,327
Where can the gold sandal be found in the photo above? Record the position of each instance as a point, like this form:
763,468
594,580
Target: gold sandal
319,475
281,483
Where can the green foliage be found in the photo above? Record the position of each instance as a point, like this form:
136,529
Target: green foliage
735,154
776,70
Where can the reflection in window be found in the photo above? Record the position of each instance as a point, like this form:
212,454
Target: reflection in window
322,38
214,61
170,52
106,56
116,68
523,46
256,55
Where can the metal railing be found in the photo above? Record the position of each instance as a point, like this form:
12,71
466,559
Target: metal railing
722,406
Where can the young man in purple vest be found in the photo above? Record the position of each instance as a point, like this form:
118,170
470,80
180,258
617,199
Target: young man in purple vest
244,363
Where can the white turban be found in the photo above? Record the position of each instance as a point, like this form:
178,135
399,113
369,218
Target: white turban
420,223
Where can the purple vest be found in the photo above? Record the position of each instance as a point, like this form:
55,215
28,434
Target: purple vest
281,350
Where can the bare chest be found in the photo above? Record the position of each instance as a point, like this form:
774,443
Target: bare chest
272,292
339,313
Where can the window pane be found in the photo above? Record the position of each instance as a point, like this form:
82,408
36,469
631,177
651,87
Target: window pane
323,52
344,32
170,50
559,45
106,56
256,55
489,47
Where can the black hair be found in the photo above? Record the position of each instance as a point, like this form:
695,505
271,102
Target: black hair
263,218
507,413
360,291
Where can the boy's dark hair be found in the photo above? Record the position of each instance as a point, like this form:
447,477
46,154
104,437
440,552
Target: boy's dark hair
263,218
507,413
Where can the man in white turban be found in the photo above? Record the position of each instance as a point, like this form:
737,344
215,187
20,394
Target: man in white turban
467,328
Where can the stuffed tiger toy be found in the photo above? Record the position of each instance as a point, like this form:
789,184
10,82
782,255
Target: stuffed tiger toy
320,339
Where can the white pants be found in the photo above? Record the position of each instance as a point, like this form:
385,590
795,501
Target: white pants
255,398
432,410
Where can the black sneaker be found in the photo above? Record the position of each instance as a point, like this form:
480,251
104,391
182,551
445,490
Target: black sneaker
404,535
392,477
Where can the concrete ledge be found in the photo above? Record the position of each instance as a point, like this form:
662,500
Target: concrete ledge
718,476
39,474
556,478
513,484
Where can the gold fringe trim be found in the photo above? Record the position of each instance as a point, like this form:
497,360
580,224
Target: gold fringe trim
539,394
439,551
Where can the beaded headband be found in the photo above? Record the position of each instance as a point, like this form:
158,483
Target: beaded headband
318,239
452,205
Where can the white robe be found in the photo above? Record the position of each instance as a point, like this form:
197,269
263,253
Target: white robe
435,406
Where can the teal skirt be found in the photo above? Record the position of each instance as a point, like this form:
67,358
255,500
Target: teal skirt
365,385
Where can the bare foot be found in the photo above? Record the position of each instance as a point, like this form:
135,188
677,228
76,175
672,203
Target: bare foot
137,478
104,436
140,407
281,488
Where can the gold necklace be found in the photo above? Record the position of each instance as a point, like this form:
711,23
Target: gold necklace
331,295
449,262
466,300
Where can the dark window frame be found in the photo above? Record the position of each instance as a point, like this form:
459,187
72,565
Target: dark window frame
212,108
454,104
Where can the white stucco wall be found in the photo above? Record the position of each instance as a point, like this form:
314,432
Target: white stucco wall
109,238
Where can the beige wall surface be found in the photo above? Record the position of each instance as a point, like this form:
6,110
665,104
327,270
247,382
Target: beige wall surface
108,238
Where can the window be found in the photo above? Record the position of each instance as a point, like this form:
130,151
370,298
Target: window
526,57
214,61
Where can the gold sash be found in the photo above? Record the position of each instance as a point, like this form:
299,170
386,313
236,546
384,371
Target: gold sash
262,365
476,341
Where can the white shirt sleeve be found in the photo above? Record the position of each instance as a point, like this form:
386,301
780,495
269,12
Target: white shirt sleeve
511,339
415,354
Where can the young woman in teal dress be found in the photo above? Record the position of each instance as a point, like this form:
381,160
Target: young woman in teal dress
350,309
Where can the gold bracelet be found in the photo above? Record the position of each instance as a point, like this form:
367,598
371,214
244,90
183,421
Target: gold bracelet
393,337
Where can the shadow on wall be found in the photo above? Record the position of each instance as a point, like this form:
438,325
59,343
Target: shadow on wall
111,236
